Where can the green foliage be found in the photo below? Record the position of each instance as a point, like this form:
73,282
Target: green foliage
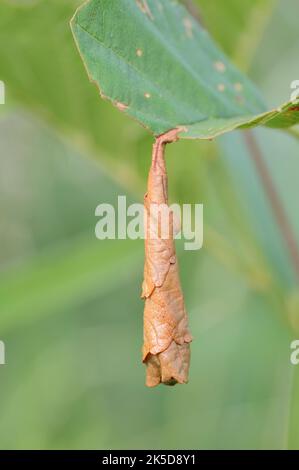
71,316
44,74
247,21
127,46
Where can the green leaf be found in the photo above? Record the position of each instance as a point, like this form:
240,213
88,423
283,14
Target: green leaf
158,65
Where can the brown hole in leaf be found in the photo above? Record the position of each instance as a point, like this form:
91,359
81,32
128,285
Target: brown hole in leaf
221,87
220,66
121,106
188,27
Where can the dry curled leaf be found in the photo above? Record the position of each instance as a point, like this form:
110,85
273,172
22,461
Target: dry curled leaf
166,349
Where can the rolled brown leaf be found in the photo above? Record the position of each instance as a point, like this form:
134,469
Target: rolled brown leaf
166,349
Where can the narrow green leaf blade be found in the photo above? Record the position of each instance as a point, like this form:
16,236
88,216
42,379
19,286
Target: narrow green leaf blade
157,64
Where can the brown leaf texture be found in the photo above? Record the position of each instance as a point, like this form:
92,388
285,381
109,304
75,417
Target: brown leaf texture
166,349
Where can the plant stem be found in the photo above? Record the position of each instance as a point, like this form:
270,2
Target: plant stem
280,215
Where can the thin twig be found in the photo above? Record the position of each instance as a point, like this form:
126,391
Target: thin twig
274,199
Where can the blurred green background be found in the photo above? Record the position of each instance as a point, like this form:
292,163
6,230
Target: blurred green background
70,308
